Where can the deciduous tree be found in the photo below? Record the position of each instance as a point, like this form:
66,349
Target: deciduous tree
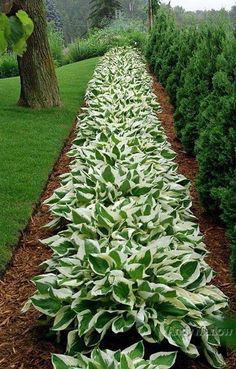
39,87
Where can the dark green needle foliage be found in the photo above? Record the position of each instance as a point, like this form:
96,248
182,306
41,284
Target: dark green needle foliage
185,44
53,14
217,122
216,149
197,84
197,66
228,206
158,47
103,11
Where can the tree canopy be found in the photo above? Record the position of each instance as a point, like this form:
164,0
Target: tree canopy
102,11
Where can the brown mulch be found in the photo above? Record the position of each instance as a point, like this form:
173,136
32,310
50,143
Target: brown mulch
23,342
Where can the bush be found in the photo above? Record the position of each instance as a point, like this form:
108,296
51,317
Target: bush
158,44
56,42
98,42
184,46
8,65
201,66
217,122
228,206
197,83
216,149
85,49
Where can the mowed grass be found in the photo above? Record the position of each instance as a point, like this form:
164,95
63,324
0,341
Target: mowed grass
30,143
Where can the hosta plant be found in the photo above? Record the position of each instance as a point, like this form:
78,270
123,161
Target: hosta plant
127,253
130,358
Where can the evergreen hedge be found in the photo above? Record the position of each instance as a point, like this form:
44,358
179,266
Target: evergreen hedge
197,66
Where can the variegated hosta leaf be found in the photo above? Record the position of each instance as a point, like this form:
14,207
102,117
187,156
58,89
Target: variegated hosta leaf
130,358
130,253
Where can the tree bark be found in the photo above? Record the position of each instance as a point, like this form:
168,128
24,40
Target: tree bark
150,14
39,86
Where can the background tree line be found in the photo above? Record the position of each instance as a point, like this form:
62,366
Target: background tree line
73,16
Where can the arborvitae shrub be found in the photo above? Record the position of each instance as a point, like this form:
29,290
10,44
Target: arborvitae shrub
228,206
216,149
184,45
158,40
217,122
168,51
197,83
197,66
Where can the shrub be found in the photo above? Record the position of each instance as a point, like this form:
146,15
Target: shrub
98,42
56,43
85,49
228,206
201,83
197,83
8,65
216,149
167,51
184,46
158,44
217,122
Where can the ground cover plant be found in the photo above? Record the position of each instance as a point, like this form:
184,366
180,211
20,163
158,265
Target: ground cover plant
30,144
127,250
201,82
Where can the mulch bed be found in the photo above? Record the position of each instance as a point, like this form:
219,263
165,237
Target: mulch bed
22,340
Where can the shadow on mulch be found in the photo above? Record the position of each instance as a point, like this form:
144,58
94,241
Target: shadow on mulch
24,344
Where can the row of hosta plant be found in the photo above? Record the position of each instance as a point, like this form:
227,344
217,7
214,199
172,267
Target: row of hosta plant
128,253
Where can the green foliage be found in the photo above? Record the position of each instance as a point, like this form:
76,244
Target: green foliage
102,12
197,83
227,327
186,17
156,45
8,65
14,31
128,253
197,66
53,15
216,147
34,159
74,18
183,47
56,43
228,205
8,60
169,50
98,42
130,358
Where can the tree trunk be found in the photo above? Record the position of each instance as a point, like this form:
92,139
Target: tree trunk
39,87
150,14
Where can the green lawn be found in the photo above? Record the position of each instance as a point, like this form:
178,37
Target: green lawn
30,142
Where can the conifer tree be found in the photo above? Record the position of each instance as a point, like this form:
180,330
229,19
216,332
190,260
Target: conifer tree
103,11
216,152
53,14
197,84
